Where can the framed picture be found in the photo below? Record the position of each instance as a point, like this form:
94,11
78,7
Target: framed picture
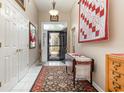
21,3
32,36
54,18
93,20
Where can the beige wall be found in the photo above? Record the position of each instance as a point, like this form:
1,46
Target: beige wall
45,17
98,50
31,14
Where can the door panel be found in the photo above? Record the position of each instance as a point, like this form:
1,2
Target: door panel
7,33
63,44
15,66
23,48
7,68
10,47
1,50
53,46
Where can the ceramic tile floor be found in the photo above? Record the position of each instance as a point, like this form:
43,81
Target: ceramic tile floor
26,83
54,63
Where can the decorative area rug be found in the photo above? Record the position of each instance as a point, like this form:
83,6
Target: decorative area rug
55,79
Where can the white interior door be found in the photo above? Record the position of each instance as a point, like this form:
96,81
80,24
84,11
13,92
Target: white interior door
23,48
1,51
9,45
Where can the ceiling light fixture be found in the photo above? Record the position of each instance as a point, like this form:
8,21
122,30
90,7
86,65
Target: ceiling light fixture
54,12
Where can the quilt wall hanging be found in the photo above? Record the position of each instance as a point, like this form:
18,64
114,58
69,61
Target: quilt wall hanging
93,20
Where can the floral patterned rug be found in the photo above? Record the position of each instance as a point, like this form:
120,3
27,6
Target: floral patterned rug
55,79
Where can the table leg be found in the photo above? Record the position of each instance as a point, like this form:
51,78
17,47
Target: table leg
66,69
74,73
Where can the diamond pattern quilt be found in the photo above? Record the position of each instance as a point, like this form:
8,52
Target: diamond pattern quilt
93,20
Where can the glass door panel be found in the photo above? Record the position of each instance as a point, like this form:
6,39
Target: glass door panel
57,42
54,46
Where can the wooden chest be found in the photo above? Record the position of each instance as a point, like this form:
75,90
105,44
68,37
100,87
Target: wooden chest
115,73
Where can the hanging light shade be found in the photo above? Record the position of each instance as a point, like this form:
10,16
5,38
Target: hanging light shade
54,12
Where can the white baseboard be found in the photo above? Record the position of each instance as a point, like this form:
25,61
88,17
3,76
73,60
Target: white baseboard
98,87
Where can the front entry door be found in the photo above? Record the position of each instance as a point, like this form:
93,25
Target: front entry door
53,46
57,43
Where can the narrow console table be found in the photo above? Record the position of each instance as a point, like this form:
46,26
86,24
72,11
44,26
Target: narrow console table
79,63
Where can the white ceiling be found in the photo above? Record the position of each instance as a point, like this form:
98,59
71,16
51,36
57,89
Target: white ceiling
61,5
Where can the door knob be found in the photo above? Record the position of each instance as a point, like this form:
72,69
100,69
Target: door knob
20,50
0,84
17,50
0,44
0,5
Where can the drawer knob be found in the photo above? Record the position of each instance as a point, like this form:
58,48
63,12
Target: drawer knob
115,78
115,68
116,64
116,86
116,75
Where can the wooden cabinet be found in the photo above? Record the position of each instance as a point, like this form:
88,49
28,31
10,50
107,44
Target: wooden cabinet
115,72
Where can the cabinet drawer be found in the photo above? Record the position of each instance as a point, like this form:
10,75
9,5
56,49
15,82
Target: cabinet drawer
117,77
115,87
117,66
115,73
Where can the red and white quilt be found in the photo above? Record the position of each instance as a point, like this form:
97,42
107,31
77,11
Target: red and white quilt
93,22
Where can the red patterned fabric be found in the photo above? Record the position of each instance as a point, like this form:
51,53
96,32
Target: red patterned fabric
37,87
32,39
93,23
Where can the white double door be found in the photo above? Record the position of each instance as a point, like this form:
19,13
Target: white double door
14,49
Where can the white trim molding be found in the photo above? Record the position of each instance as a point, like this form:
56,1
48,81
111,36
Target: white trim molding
98,87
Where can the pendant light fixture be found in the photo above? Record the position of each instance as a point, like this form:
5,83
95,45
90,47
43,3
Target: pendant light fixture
53,12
